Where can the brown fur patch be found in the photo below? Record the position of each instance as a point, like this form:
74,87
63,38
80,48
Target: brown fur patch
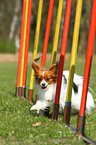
50,76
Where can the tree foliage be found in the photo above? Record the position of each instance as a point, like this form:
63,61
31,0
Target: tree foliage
7,11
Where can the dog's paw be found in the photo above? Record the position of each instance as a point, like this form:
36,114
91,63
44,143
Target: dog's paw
33,108
37,106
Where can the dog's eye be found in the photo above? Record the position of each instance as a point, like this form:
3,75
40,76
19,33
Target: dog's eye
39,79
47,79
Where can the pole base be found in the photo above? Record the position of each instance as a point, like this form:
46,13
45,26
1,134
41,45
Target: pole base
67,112
80,130
20,92
80,125
55,111
30,95
88,140
23,91
17,91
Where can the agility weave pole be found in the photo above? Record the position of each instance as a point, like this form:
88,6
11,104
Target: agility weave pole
30,91
90,46
46,38
81,118
57,30
62,58
45,45
24,45
26,49
23,49
67,108
20,50
55,42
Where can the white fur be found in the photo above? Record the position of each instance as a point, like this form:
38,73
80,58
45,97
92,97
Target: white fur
43,73
46,97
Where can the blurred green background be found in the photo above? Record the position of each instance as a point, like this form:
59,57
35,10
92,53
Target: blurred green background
10,25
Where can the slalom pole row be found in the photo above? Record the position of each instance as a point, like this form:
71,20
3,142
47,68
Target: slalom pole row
90,46
55,43
24,45
67,109
62,59
23,49
26,49
20,50
23,57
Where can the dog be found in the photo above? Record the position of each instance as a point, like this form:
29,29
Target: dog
45,81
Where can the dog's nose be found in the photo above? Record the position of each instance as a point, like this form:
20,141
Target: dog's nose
43,84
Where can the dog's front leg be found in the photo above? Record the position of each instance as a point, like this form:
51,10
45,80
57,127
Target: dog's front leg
37,106
49,98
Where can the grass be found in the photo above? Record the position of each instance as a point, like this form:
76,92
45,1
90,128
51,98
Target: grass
17,122
6,46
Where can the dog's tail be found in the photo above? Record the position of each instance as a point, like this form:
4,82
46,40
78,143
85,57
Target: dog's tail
37,58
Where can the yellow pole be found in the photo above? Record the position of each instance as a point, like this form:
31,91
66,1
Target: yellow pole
57,29
74,49
36,40
24,42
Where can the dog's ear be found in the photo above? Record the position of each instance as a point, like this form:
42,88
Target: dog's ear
54,68
35,66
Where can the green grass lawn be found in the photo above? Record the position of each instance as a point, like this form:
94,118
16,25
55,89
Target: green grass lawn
17,122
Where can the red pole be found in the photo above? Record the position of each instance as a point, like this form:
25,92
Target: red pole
21,44
62,59
26,48
47,32
48,25
90,46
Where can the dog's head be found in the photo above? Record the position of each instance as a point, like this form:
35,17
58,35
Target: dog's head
45,77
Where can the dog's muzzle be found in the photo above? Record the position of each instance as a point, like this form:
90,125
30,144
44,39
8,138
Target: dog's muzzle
44,85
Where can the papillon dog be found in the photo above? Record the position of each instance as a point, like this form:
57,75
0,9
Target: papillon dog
45,81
